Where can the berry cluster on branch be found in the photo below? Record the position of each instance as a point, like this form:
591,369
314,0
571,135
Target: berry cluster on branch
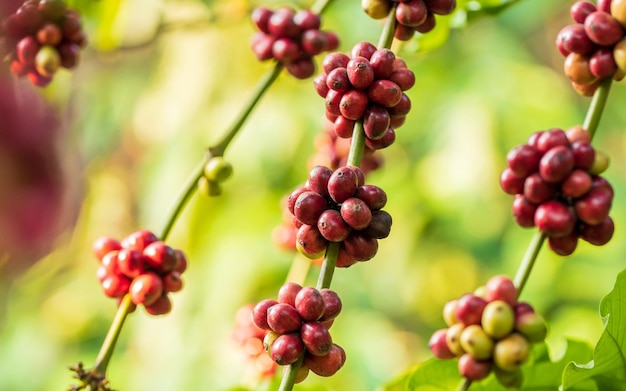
366,86
291,38
337,206
489,330
297,324
140,265
594,46
557,187
411,15
41,37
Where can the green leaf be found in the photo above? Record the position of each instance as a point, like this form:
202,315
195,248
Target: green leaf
541,373
608,367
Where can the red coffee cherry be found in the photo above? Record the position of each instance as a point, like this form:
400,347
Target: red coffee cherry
283,318
259,313
316,338
286,349
288,292
146,289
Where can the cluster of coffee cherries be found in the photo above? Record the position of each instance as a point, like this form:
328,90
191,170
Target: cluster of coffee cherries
337,206
215,171
366,86
249,338
40,38
297,324
140,265
594,46
557,187
411,15
291,38
489,330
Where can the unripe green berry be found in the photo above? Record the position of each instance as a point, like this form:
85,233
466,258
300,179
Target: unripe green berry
498,319
511,352
509,379
376,9
476,342
449,312
532,326
218,169
600,163
47,60
209,188
453,338
269,339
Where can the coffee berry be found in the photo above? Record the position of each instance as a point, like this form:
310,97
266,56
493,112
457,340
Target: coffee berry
298,324
140,265
291,38
594,46
557,187
490,332
411,15
41,37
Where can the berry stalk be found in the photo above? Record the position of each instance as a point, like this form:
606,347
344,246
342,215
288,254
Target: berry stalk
289,375
386,37
596,107
108,346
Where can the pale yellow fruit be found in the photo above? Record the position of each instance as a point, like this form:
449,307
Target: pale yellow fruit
618,11
376,9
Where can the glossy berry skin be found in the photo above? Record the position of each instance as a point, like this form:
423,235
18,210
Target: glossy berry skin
439,346
288,292
160,257
498,319
146,289
286,349
327,365
511,352
283,318
470,309
501,288
309,303
472,368
131,263
316,338
342,184
139,240
332,226
332,304
259,313
475,341
104,245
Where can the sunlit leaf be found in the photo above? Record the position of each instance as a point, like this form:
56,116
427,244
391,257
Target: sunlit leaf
608,367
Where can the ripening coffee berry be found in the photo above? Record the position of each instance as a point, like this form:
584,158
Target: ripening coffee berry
509,379
532,326
501,287
316,338
470,309
283,318
332,304
475,341
380,225
342,184
259,313
439,346
102,246
146,289
160,257
511,352
327,365
473,368
332,226
310,242
131,263
162,306
453,338
498,319
554,218
449,312
288,292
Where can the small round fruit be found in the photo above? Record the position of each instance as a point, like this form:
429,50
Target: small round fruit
439,346
475,341
472,368
218,169
449,312
47,61
470,309
316,338
453,338
283,318
309,303
498,319
532,326
376,9
511,352
501,287
146,289
286,349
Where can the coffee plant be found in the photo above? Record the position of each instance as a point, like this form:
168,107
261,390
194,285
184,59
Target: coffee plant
390,195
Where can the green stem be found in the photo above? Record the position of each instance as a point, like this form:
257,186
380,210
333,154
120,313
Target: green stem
289,375
320,6
188,190
464,385
263,85
357,146
106,351
526,266
386,37
328,266
594,113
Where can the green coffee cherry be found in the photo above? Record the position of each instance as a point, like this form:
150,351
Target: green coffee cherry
209,188
47,60
509,379
376,9
498,319
600,163
218,169
532,326
453,338
511,352
476,342
269,339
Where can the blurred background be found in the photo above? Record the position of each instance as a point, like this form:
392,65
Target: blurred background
162,80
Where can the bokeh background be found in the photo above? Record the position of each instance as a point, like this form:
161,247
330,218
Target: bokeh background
162,80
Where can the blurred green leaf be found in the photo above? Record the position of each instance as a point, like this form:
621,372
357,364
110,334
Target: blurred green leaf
608,367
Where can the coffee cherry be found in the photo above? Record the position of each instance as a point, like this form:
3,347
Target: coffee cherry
115,285
385,93
342,184
470,309
310,242
523,160
259,313
379,226
360,72
288,292
498,319
269,339
131,263
316,338
594,207
102,246
453,338
353,104
356,213
554,218
139,240
261,16
309,206
376,9
440,7
449,312
49,34
52,9
411,14
511,352
473,368
581,9
598,234
438,345
603,29
600,163
576,68
556,164
286,349
172,282
146,289
376,121
160,257
363,49
309,303
162,306
283,318
524,211
332,226
332,305
476,342
509,379
602,63
532,326
327,365
218,169
511,183
360,246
